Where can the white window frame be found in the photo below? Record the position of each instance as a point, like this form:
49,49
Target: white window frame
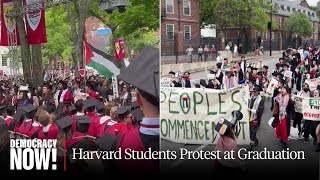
172,31
272,35
265,36
189,8
184,31
172,7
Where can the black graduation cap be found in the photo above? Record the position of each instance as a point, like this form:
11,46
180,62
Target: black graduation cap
100,106
260,73
257,88
89,103
286,65
137,113
3,108
135,105
148,63
19,116
253,81
123,110
282,81
64,122
83,120
254,69
29,108
72,108
211,71
266,67
105,142
171,72
222,126
83,123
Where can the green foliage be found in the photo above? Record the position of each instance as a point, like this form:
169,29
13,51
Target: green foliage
299,24
58,35
141,14
240,13
138,40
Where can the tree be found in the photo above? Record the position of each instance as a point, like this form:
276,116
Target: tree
299,24
236,13
25,48
58,35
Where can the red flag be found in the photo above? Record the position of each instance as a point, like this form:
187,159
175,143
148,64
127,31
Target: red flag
35,24
88,54
119,53
7,23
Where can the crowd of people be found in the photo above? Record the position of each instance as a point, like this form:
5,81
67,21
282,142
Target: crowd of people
292,75
85,113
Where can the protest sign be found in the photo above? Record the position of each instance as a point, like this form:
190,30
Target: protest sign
211,76
311,109
190,115
115,87
165,82
272,85
297,103
288,74
313,83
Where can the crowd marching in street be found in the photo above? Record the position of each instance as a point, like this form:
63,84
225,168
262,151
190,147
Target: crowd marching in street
294,78
84,113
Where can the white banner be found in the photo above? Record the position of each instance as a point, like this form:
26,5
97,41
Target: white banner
190,115
313,83
311,109
272,85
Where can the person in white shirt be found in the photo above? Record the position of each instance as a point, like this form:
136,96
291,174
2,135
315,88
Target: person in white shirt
227,47
189,53
219,58
200,52
235,50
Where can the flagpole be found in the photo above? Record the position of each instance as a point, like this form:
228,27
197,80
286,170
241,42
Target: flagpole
84,61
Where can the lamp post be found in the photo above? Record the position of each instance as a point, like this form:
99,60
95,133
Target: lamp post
270,28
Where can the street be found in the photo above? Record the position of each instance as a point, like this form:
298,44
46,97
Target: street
267,138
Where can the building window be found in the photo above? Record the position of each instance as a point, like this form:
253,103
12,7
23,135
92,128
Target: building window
288,8
272,35
187,32
294,9
186,7
4,61
265,35
282,7
169,6
299,10
170,31
93,27
280,23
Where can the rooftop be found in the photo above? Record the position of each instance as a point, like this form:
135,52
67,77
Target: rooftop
286,8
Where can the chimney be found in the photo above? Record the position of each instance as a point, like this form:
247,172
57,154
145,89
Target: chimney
305,4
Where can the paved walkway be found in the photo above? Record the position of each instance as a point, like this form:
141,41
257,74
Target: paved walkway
248,57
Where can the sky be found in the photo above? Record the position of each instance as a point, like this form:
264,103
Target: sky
313,2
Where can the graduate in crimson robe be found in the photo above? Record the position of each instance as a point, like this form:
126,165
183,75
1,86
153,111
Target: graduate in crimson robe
108,121
125,121
79,105
9,117
89,90
90,105
49,130
63,95
146,135
26,125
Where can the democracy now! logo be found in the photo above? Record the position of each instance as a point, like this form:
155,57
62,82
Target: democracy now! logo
30,154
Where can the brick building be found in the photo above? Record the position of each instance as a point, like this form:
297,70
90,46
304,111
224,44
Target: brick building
180,27
279,37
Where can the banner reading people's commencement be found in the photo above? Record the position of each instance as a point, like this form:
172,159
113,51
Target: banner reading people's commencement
189,115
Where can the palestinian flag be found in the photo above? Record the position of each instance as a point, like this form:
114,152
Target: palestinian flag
100,61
